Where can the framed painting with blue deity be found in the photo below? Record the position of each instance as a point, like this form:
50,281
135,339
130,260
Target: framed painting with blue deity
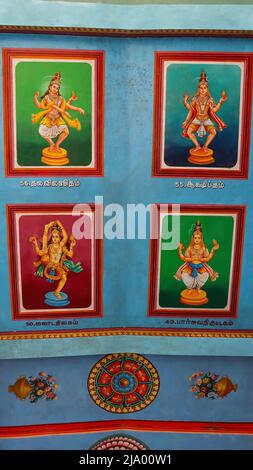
202,114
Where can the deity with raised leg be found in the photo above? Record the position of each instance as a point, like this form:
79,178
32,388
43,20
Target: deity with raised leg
55,261
55,121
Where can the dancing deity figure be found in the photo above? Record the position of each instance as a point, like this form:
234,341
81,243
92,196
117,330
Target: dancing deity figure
200,122
55,121
195,271
55,260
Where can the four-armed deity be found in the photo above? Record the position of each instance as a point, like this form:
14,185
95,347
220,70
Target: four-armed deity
200,122
55,255
195,271
55,121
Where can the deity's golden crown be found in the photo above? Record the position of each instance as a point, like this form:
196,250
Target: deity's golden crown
55,230
198,227
203,78
56,80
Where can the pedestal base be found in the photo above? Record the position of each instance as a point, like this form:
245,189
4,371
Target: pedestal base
201,157
193,297
53,301
53,158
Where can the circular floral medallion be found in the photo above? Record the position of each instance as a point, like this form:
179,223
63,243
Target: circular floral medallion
119,442
123,383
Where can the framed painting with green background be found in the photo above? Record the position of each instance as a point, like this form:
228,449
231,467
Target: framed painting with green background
53,106
195,261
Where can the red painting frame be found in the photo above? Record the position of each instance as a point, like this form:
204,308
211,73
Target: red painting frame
97,311
8,54
159,88
153,311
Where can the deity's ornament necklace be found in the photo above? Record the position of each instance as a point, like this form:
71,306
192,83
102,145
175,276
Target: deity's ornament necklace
197,250
202,105
53,98
56,251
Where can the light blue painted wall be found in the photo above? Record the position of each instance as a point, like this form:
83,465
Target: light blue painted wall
128,147
174,401
43,12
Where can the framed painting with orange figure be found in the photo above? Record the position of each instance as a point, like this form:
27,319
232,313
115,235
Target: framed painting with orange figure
195,260
202,114
55,257
53,112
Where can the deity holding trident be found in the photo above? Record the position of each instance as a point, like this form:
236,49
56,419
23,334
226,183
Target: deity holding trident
200,120
54,121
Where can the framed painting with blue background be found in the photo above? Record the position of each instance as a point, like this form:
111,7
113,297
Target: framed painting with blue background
202,114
